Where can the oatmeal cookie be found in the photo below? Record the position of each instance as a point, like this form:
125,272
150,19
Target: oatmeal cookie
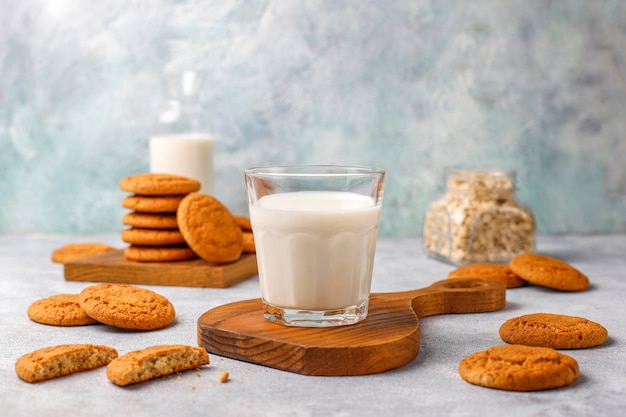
170,253
154,362
549,272
152,237
150,220
243,222
209,229
557,331
248,243
55,361
488,271
59,310
519,368
127,306
153,204
159,184
74,251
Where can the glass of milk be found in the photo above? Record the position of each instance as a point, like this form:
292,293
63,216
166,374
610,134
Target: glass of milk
315,230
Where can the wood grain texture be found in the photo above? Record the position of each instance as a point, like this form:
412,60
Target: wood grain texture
387,339
114,267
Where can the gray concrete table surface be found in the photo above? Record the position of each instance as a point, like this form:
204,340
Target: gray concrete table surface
430,385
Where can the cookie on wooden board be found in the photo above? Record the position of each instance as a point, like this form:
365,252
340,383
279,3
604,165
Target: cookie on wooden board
127,306
152,204
519,368
557,331
152,237
55,361
73,251
489,271
243,222
59,310
171,253
159,184
150,220
154,362
209,228
549,272
248,243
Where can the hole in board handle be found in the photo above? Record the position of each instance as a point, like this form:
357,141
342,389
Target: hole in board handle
465,283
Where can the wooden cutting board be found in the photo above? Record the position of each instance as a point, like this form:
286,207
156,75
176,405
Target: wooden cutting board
114,267
388,338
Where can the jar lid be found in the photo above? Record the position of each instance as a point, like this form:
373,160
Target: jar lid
481,180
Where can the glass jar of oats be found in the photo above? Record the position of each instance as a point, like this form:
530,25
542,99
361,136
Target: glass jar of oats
478,220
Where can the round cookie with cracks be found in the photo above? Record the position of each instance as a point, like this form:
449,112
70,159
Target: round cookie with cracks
153,204
59,310
209,229
549,272
127,306
152,237
489,271
557,331
74,251
170,253
159,184
519,368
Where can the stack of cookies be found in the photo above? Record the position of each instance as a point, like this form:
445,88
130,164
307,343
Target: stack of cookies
154,235
171,221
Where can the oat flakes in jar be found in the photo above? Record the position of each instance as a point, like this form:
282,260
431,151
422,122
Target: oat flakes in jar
478,220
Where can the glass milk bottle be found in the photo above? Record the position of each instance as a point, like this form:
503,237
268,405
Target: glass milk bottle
478,220
182,144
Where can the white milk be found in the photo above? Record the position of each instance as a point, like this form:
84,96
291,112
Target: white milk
315,249
190,155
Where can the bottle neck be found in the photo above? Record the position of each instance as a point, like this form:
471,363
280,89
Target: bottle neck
183,113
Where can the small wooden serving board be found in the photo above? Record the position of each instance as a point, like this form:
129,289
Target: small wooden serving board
114,267
388,338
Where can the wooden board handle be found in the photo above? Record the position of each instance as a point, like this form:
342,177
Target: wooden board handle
452,296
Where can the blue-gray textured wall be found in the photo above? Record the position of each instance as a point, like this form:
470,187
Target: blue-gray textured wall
411,86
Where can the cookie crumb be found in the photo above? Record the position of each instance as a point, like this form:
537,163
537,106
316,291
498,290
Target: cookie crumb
223,376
